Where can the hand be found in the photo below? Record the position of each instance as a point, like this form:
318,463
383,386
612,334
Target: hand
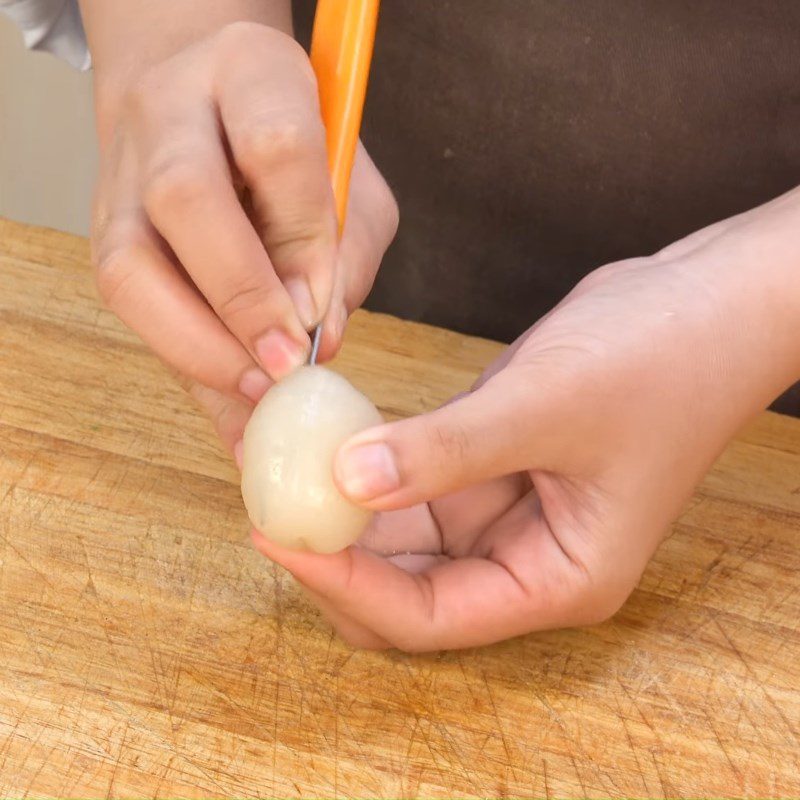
558,475
215,233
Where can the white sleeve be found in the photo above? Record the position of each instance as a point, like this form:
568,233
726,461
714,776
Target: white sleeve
51,25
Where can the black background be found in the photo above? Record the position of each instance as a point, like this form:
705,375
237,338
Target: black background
530,141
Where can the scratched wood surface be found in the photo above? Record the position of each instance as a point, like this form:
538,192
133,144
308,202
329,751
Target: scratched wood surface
146,650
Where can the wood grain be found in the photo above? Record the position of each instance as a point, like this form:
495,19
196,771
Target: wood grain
148,651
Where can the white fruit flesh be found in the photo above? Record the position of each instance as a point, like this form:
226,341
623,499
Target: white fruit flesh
289,446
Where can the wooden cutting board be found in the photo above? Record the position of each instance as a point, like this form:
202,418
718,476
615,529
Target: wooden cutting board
146,650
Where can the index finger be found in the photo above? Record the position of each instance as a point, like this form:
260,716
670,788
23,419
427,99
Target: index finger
461,603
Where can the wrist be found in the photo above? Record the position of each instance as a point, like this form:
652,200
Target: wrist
753,268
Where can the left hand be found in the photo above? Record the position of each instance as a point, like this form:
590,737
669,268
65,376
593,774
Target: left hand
215,233
536,500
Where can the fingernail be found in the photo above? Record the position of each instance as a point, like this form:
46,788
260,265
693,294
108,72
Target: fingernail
254,384
304,303
238,453
367,471
279,354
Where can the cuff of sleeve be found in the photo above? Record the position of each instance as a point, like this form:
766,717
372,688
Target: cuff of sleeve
52,26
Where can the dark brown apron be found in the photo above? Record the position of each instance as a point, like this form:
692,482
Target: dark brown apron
530,141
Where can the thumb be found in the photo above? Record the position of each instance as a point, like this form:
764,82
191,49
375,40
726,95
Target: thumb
480,436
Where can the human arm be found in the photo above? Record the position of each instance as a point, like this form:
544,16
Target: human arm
537,500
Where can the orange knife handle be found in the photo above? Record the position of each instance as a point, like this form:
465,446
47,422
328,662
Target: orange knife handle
341,50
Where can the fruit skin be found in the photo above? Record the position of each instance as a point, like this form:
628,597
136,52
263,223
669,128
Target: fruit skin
287,471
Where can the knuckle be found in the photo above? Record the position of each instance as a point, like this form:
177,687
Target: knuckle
304,243
114,267
392,217
378,206
603,610
428,638
359,640
173,183
245,299
601,603
234,33
388,212
236,37
603,274
451,443
595,278
275,140
292,50
237,40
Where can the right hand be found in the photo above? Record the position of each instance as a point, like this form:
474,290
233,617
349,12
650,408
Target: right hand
215,234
